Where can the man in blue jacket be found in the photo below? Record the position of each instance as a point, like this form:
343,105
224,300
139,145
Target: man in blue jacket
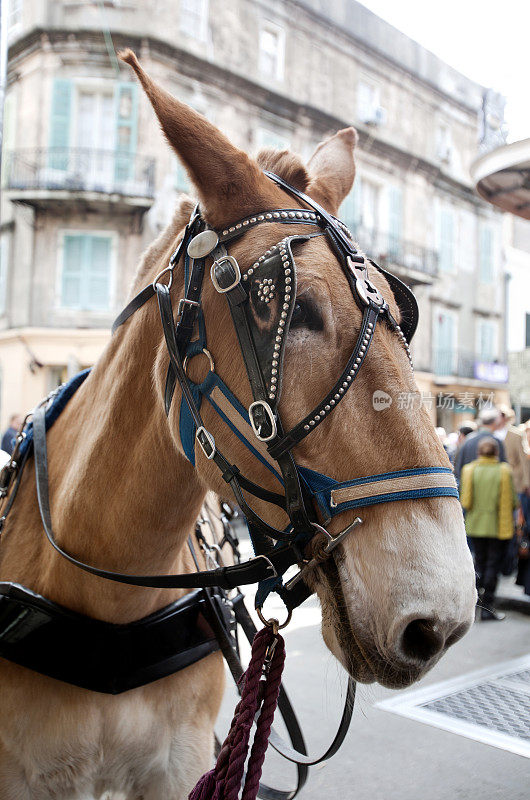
489,421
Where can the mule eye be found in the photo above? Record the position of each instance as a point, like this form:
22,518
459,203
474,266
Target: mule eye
306,315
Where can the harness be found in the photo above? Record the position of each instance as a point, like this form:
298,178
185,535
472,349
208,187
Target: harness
261,302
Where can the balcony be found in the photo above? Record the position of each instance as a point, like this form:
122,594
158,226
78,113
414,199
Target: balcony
451,364
48,177
411,262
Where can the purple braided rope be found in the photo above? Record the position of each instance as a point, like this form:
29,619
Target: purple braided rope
263,729
249,707
223,782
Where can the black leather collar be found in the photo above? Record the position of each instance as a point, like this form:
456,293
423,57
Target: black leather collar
102,656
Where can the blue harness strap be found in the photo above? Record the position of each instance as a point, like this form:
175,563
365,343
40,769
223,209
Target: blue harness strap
230,410
407,484
58,403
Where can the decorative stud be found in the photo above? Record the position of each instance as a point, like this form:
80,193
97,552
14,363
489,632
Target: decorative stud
266,290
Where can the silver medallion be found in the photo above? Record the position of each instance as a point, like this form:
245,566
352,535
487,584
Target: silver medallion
203,244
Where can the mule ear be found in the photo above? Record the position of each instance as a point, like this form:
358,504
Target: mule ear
332,169
228,181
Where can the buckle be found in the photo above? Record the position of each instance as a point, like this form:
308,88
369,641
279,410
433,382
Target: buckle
270,565
225,274
206,442
366,291
184,301
262,420
7,473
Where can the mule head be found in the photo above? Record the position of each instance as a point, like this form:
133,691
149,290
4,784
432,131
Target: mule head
401,588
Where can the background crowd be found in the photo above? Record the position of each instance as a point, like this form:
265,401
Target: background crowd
491,459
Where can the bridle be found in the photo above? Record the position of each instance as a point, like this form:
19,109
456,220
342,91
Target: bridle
261,303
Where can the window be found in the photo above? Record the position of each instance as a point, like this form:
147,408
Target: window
93,137
86,271
350,210
14,13
444,342
446,240
181,181
269,138
4,260
93,132
194,18
9,135
486,265
370,195
395,223
444,143
271,52
368,107
487,336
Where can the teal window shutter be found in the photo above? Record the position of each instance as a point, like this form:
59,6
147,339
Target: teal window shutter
444,344
126,130
86,272
350,210
487,344
395,223
181,180
59,140
446,241
486,254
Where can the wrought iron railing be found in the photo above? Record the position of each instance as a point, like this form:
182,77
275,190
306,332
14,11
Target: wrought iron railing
388,249
463,364
80,170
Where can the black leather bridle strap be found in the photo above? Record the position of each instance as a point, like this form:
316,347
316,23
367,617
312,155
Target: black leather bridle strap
230,474
252,571
137,302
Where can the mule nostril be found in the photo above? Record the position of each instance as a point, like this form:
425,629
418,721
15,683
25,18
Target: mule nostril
457,634
422,639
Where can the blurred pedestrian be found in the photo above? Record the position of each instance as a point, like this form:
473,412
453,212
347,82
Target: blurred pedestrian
523,566
467,427
488,497
442,435
489,420
10,434
513,439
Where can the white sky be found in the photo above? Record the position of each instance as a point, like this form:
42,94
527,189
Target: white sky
487,40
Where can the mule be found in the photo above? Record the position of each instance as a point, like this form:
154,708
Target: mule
399,591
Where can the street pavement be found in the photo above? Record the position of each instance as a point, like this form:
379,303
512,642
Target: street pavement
386,756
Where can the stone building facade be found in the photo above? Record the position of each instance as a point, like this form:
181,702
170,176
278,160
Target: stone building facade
87,180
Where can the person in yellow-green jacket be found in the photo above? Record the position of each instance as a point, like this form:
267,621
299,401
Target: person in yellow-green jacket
488,496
